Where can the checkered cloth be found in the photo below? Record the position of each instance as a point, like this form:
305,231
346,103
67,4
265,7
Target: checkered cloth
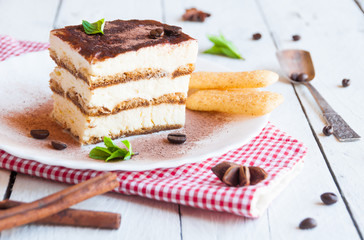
194,184
12,47
190,184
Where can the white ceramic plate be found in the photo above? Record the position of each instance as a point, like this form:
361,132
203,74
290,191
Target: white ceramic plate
25,103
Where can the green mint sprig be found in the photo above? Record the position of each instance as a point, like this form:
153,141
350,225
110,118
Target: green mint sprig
223,47
94,28
112,151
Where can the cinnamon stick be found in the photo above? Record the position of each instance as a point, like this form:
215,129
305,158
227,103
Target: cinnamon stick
74,217
47,206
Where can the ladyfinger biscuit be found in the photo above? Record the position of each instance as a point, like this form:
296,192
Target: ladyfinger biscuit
225,80
244,101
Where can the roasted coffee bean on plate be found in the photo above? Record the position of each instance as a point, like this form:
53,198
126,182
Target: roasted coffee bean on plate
345,82
58,145
308,223
39,133
328,198
296,37
156,33
328,130
172,30
257,36
177,138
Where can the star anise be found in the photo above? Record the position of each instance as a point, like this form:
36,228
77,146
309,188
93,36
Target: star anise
233,174
195,15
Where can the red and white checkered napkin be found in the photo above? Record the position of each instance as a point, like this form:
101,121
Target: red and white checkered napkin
194,184
12,47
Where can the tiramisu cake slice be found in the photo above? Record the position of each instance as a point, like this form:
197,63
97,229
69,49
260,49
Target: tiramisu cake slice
131,80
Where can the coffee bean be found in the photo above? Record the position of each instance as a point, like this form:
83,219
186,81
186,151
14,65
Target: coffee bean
345,82
296,37
177,138
39,133
328,130
308,223
172,30
257,36
328,198
294,76
156,33
302,77
58,145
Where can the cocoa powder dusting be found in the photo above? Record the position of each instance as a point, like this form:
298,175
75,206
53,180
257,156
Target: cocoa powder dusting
199,126
39,117
154,147
120,37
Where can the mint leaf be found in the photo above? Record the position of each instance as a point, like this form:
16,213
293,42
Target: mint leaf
99,153
230,53
110,145
127,144
117,154
217,40
94,28
130,152
223,47
112,151
214,50
108,142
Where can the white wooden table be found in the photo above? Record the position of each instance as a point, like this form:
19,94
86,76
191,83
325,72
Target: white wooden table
332,30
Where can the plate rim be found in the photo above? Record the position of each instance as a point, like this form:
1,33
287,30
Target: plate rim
148,166
101,166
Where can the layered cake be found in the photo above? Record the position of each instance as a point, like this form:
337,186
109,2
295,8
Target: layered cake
131,80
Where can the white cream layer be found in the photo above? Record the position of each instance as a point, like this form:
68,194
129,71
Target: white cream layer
166,57
110,96
86,127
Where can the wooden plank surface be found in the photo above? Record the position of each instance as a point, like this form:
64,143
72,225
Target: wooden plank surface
237,20
73,12
301,199
198,223
136,211
4,182
360,4
337,49
28,20
141,218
